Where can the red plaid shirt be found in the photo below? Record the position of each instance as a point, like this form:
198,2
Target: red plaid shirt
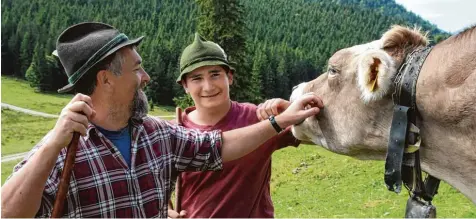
102,185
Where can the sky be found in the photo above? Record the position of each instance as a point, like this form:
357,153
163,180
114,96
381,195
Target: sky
449,15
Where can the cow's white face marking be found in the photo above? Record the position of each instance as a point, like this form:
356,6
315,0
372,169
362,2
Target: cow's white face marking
310,127
297,91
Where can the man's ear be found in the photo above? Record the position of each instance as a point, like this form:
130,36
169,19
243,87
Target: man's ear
184,85
103,79
230,77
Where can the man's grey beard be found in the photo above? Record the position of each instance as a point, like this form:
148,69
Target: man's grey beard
140,106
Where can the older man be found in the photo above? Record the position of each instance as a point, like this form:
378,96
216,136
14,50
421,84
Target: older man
125,160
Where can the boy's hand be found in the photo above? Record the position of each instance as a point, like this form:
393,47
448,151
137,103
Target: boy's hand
271,107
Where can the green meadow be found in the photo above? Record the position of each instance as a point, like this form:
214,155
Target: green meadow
20,132
310,181
307,181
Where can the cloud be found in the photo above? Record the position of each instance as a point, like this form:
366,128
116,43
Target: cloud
431,15
449,15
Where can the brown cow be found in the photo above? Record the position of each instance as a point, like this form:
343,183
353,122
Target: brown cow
357,93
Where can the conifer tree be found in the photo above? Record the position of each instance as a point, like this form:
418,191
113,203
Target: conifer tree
25,51
289,41
222,21
33,74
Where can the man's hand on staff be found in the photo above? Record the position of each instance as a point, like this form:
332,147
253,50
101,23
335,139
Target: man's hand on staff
173,214
73,118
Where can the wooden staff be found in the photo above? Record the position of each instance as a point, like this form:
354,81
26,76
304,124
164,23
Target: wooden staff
65,176
178,195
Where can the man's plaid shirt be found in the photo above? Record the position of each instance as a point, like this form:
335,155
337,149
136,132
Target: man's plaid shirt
102,185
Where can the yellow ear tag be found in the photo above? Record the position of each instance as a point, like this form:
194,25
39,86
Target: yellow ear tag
374,74
374,82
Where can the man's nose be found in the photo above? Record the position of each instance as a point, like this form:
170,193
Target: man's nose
145,78
208,85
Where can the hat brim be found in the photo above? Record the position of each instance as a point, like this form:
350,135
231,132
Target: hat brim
201,64
136,41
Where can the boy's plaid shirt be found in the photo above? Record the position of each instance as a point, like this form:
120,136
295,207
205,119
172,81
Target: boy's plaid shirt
102,185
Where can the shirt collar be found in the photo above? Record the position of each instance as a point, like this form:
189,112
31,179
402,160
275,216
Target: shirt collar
135,122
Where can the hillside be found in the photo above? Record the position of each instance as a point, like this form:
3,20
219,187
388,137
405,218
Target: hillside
288,41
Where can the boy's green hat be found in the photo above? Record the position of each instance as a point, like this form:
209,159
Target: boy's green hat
201,53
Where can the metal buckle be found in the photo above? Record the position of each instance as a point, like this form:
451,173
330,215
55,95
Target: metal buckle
413,147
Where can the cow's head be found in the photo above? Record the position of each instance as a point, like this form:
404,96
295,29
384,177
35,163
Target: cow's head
357,93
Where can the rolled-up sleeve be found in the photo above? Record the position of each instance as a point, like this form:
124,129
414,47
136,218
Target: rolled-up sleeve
195,150
51,185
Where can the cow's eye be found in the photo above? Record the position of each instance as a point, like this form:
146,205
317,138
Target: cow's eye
332,71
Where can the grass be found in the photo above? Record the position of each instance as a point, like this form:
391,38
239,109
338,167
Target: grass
162,111
312,182
20,132
7,168
18,93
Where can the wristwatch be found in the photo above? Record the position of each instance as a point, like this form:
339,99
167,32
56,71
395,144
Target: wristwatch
275,124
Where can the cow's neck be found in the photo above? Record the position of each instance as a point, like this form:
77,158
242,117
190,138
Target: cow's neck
446,95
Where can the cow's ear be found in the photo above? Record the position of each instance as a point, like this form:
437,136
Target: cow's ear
375,72
378,66
399,41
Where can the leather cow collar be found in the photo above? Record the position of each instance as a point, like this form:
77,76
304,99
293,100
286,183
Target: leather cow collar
402,163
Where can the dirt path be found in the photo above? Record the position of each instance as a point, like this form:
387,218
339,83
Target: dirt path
27,111
13,157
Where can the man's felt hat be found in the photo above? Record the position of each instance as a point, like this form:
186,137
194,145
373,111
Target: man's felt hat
80,47
201,53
